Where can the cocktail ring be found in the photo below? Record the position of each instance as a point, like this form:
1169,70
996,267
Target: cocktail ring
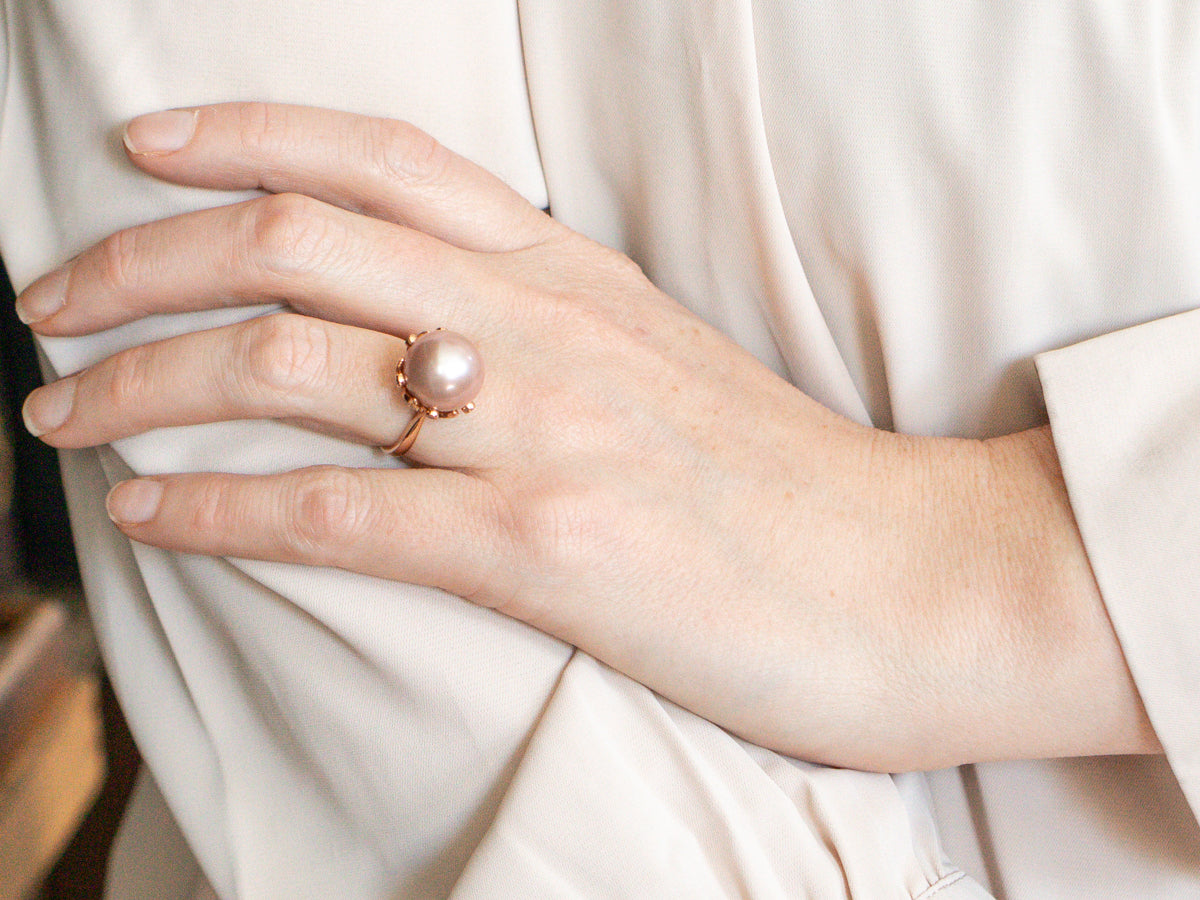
440,373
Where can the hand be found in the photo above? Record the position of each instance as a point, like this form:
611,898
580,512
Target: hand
631,482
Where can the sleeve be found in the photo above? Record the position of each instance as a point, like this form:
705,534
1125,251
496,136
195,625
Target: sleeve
1125,414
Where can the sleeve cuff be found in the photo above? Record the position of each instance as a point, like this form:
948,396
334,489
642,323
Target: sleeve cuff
1125,414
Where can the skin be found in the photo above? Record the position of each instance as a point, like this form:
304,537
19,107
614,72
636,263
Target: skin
632,481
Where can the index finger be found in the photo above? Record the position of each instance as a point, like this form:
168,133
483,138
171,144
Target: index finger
383,168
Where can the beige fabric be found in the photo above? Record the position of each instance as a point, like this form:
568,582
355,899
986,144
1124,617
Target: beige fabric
150,857
898,206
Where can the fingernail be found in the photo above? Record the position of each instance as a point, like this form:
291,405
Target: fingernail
43,298
48,407
134,502
161,132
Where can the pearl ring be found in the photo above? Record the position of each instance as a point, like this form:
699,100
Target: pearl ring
440,373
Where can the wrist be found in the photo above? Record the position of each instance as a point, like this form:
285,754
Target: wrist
1070,691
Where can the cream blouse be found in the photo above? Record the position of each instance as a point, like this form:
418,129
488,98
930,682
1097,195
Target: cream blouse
911,210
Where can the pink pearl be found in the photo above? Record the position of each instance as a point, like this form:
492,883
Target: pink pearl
443,370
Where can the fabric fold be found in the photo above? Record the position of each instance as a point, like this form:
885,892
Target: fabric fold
1124,410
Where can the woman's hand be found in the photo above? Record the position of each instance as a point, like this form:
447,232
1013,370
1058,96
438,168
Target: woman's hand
631,482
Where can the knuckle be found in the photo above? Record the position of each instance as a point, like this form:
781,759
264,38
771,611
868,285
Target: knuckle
288,235
128,379
211,509
332,510
620,267
118,257
493,531
285,354
557,531
404,153
602,264
261,129
579,326
584,323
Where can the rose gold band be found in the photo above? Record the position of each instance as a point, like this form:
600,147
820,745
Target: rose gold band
408,438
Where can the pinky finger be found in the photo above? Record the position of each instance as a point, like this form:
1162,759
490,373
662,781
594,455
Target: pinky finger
425,526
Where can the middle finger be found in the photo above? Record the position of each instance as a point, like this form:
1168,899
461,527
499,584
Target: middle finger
316,257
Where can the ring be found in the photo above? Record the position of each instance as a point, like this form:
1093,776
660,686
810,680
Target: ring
440,373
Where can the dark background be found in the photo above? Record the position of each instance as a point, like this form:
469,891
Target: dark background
44,559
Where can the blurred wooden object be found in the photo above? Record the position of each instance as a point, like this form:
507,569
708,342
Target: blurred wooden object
51,743
51,759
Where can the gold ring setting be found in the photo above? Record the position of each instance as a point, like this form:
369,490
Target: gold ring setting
440,373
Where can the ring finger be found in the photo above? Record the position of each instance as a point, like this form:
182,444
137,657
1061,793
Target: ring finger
327,376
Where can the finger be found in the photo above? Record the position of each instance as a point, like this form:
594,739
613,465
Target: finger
327,377
381,167
273,367
447,525
287,247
